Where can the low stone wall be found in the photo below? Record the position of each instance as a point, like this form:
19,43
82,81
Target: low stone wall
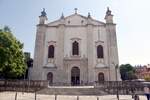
123,87
22,85
111,87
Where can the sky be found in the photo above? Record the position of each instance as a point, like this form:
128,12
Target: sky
131,16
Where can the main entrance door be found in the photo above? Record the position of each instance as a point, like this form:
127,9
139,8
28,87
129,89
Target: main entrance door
75,76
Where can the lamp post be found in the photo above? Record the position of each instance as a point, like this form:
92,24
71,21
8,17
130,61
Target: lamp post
116,68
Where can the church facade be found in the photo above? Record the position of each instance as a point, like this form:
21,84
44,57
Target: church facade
76,49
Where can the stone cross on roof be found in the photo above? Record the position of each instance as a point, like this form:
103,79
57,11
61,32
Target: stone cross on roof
76,9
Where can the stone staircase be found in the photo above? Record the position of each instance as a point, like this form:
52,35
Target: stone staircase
72,91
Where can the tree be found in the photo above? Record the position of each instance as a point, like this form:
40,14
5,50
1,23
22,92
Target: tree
127,72
29,63
12,63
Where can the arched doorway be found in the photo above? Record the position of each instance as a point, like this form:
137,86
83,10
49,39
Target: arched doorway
101,77
75,76
50,77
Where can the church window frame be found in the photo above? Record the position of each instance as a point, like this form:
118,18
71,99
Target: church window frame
76,40
100,52
75,48
51,59
51,51
100,58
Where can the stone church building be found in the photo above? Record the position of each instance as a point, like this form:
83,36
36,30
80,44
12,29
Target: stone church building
75,49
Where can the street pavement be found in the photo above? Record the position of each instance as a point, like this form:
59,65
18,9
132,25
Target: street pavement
31,96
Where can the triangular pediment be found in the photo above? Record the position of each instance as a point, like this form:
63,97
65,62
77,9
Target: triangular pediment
75,19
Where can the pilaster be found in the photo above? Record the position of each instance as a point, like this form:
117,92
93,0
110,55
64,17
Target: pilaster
90,53
60,45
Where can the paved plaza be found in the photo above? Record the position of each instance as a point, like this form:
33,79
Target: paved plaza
31,96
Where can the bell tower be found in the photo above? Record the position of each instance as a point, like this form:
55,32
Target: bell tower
112,47
39,48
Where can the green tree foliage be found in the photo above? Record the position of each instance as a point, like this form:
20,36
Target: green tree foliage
29,63
12,63
127,72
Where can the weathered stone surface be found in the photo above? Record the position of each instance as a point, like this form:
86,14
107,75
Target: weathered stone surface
31,96
89,33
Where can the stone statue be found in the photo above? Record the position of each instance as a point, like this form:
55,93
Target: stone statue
108,11
43,13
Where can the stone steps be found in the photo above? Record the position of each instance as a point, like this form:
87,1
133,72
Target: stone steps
72,91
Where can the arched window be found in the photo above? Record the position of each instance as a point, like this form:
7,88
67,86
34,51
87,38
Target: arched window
100,52
51,49
75,48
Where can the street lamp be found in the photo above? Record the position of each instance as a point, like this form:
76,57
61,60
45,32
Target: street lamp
116,68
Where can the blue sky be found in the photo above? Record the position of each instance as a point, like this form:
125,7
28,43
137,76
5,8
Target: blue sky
132,18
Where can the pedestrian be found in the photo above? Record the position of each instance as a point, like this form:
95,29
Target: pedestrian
147,92
136,97
133,92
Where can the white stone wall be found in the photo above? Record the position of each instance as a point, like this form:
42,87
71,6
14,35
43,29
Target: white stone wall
72,34
100,38
89,33
50,37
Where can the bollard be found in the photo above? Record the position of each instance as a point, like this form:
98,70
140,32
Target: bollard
55,97
77,97
35,95
16,96
97,98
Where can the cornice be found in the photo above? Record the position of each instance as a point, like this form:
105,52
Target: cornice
78,25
